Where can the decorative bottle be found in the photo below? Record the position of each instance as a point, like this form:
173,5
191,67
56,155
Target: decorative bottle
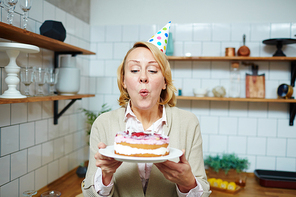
234,83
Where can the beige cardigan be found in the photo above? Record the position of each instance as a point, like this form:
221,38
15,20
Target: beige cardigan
183,129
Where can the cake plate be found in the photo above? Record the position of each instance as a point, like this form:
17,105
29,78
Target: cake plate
279,42
12,69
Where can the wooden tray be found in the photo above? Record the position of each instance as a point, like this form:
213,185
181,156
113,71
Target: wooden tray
237,189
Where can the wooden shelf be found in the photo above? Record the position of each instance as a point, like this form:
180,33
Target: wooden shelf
23,36
236,99
44,98
236,58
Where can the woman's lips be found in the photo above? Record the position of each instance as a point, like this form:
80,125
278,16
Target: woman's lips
144,92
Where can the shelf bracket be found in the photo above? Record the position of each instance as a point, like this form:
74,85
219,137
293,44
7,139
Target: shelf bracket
58,53
56,114
293,73
292,113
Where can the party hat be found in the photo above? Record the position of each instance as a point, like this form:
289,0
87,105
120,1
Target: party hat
160,39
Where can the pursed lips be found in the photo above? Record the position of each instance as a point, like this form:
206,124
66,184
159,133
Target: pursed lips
144,92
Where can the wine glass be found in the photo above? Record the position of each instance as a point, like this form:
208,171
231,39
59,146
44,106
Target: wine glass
11,6
29,193
51,194
27,75
40,80
51,79
25,6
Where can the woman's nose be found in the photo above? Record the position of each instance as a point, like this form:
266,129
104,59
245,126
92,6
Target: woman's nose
143,78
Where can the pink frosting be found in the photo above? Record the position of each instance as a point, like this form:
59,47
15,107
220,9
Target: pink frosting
141,138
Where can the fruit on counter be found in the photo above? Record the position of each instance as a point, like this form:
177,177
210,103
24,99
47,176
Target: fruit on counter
219,183
231,186
224,185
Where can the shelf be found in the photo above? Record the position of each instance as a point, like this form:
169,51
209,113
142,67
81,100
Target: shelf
223,58
44,98
23,36
237,99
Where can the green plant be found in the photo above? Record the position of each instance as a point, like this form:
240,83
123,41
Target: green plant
226,162
91,116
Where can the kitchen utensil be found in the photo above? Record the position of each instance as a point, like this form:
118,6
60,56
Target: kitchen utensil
51,79
29,193
40,77
25,6
230,51
279,42
199,92
243,50
51,194
255,84
285,91
11,6
27,76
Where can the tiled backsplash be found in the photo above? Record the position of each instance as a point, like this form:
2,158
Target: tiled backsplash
257,131
33,151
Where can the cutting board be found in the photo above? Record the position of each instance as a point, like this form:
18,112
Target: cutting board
255,86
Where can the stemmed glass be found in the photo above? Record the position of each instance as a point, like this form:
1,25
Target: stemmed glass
29,193
11,6
40,80
27,75
52,78
25,6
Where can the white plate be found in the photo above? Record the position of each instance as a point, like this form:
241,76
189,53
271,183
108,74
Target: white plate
109,152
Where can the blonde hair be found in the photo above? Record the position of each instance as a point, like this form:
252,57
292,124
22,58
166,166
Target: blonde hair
167,96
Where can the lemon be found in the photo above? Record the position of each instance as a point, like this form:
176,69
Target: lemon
217,182
231,186
211,181
224,185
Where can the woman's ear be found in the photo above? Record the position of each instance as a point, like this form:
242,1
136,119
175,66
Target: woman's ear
164,86
123,84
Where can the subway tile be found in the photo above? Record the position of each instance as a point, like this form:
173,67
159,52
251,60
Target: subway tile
113,33
279,70
60,15
178,48
53,130
112,101
34,158
260,31
212,49
9,139
104,85
79,29
290,50
205,143
189,85
68,141
185,105
120,50
41,177
293,30
63,165
202,32
53,171
10,189
104,50
237,144
252,163
240,29
267,127
19,113
76,140
63,127
286,164
184,32
280,30
221,32
36,11
26,182
73,123
96,68
47,152
41,131
5,169
70,26
278,110
219,108
228,126
19,164
201,69
96,102
34,111
218,144
147,31
4,115
27,135
266,163
130,33
238,109
97,33
258,110
48,11
182,69
192,48
58,148
111,67
255,49
247,126
220,70
284,130
210,84
276,147
256,146
291,147
200,107
209,124
47,109
271,89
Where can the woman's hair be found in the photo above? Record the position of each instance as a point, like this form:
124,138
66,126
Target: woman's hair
167,96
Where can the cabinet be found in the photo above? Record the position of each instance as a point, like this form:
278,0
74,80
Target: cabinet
292,102
16,34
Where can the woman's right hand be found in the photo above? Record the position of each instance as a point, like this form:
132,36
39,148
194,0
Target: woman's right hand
108,165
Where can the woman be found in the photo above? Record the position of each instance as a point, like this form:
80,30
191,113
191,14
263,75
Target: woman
147,102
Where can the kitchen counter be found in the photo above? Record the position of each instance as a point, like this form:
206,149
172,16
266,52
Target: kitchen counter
69,186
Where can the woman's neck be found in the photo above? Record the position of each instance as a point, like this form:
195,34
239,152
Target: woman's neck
148,117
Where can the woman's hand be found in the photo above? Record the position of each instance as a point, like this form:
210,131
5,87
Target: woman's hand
108,165
179,173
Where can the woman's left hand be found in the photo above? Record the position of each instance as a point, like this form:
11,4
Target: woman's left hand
179,173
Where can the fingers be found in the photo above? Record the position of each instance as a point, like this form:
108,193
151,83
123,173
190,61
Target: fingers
102,145
182,157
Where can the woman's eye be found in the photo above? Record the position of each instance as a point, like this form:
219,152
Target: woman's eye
153,71
134,71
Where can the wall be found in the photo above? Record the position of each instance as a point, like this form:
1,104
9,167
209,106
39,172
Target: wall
33,151
257,131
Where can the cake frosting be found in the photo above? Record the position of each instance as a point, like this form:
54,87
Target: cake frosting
141,144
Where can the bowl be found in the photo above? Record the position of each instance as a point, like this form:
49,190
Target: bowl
199,92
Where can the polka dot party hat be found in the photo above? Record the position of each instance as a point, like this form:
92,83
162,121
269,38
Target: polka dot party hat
160,39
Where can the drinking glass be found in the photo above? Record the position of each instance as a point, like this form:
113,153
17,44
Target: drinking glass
29,193
51,194
52,78
40,80
11,6
27,75
25,6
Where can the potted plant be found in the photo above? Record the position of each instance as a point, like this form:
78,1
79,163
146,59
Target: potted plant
225,165
90,118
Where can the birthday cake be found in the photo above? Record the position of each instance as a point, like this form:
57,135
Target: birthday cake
141,144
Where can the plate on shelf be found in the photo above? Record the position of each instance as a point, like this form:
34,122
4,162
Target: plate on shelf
109,152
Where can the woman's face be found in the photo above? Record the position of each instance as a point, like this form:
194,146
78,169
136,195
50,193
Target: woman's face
143,79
